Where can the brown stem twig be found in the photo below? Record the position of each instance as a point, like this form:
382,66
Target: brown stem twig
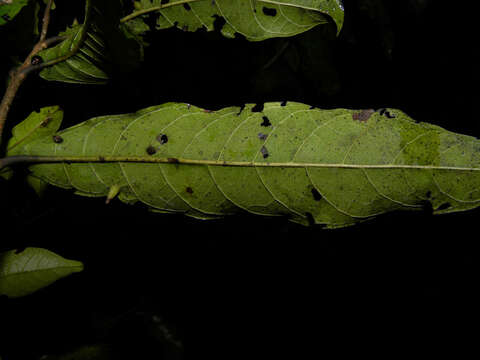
18,75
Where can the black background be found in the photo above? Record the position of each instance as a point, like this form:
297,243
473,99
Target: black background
249,286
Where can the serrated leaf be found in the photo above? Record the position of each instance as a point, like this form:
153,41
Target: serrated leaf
255,19
32,269
9,9
332,167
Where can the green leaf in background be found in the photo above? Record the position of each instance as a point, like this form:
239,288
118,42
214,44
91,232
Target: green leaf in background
331,167
108,46
38,124
32,269
88,66
9,9
257,20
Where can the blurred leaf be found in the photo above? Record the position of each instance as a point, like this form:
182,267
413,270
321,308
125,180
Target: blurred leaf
9,9
22,273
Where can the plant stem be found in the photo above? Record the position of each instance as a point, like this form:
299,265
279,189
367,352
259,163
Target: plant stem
18,75
179,161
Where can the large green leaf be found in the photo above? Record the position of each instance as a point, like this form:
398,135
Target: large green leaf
255,19
22,273
331,167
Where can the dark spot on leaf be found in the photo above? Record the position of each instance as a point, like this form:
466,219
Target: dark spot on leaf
162,139
151,150
266,122
264,152
187,7
258,108
45,121
444,206
310,219
316,194
363,115
283,103
57,139
269,11
173,161
262,136
189,190
36,60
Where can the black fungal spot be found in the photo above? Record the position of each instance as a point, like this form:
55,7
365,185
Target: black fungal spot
262,136
187,7
266,122
444,206
310,219
258,108
57,139
162,139
264,152
283,103
36,60
151,150
269,11
316,195
189,190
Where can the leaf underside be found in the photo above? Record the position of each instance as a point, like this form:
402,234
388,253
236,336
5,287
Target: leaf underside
332,167
22,273
255,19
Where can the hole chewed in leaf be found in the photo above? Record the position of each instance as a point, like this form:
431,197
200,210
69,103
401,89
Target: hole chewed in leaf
444,206
310,219
266,122
262,136
264,152
316,194
162,139
385,112
258,108
269,11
